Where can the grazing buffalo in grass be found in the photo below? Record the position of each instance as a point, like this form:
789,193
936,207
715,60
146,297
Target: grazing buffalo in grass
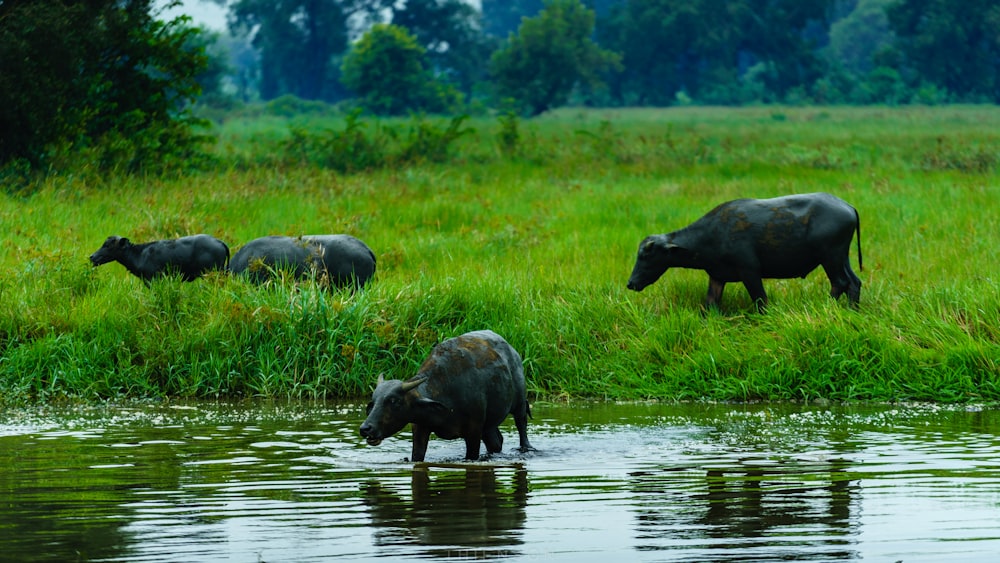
464,389
747,240
190,257
344,259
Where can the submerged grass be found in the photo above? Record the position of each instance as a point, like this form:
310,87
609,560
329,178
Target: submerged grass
532,235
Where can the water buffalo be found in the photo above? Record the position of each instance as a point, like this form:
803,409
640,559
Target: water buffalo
464,389
188,256
343,258
747,240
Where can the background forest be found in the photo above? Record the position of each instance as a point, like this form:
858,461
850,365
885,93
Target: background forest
634,52
113,78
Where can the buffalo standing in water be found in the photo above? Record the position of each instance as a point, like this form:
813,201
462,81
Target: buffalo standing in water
464,389
188,256
344,259
747,240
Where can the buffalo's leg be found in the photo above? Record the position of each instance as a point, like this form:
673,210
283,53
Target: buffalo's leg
854,291
421,436
839,281
521,421
843,280
472,446
714,296
493,440
755,287
854,287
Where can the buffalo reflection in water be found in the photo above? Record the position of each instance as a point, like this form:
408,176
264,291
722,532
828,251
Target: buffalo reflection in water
749,512
459,510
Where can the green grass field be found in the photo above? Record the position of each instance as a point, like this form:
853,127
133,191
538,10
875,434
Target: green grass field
532,233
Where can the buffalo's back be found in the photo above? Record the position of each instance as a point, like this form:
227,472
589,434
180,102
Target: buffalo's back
345,257
782,237
476,372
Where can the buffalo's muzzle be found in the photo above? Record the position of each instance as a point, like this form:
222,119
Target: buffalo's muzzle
369,434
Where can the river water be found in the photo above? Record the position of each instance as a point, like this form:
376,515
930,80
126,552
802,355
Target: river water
608,482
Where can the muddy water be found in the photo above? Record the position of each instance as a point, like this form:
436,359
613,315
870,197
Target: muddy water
208,482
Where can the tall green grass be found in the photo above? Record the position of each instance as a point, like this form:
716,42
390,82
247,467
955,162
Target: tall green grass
529,228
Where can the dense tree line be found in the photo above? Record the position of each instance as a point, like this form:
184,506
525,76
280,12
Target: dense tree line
649,52
109,73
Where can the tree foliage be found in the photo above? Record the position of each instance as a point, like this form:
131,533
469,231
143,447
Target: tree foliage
299,41
103,73
450,31
705,48
952,43
651,36
670,51
211,78
551,54
503,17
860,35
386,70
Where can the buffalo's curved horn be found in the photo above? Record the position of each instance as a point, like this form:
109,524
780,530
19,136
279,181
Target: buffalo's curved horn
410,384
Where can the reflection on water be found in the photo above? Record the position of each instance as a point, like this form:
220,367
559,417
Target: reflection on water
208,482
453,512
753,513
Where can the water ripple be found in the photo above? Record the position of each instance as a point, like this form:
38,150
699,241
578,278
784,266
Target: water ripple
627,482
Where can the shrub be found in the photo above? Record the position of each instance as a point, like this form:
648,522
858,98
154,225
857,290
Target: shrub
353,150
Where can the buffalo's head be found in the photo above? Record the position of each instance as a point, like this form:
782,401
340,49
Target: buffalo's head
395,404
654,258
110,251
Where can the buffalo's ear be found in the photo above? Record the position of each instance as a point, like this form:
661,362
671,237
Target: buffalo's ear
648,246
430,407
658,245
123,242
676,252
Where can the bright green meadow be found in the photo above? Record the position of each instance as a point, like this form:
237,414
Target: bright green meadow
528,228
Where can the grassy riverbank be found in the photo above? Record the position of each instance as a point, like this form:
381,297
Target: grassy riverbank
530,231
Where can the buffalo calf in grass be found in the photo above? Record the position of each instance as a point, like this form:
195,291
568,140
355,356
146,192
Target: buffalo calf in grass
345,260
464,389
189,257
747,240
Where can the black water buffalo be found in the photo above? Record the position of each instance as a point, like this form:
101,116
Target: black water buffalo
190,257
343,258
747,240
464,389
